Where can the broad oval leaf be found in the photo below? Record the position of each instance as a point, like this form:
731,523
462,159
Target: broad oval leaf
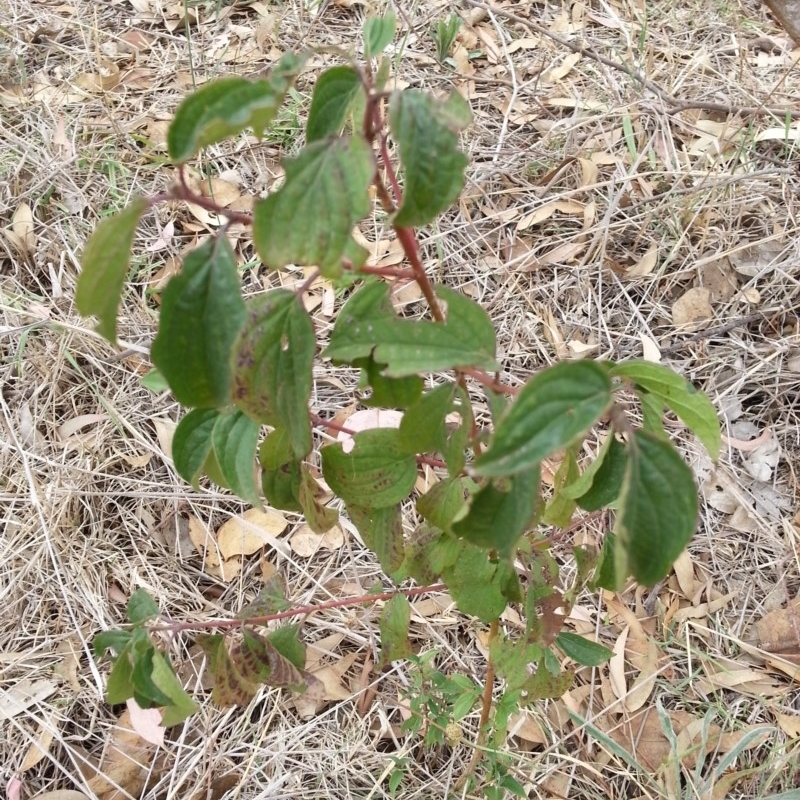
191,442
657,510
104,267
334,93
479,586
583,650
228,106
680,396
499,513
310,219
235,439
606,481
378,32
202,312
422,429
426,131
553,409
367,327
442,502
272,363
375,474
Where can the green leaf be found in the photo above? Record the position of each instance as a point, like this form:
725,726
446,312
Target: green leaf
119,687
560,507
272,364
228,106
391,392
154,381
605,575
584,651
422,429
367,327
500,513
428,552
382,532
476,584
544,685
270,600
104,267
145,691
310,219
334,93
378,33
680,396
375,474
191,443
607,481
286,640
653,414
320,518
235,438
426,131
657,509
181,705
259,661
552,411
442,502
202,312
141,607
394,621
116,641
281,475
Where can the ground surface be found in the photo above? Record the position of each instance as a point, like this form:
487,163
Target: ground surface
600,218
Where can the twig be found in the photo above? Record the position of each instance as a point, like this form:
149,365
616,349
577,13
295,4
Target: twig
176,627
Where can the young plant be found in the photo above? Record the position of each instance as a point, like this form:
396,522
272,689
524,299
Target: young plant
242,368
444,35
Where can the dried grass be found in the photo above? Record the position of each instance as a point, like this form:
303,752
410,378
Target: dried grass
92,513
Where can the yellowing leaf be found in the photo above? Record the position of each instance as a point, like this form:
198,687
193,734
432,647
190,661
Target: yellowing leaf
248,533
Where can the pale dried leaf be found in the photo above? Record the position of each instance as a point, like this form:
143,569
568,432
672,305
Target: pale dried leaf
146,722
306,543
366,419
22,224
247,533
692,309
23,695
41,746
645,265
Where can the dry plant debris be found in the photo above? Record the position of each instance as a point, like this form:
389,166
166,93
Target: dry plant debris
604,216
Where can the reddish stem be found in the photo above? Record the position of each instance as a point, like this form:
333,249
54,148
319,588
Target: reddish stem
176,627
182,191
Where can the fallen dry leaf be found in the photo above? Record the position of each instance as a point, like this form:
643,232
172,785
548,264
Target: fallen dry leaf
692,309
22,695
779,631
147,722
367,419
305,542
123,768
645,265
719,278
22,225
247,533
41,746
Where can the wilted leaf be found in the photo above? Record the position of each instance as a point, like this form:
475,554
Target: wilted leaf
395,618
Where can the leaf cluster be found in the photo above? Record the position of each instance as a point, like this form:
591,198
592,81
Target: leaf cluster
243,369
